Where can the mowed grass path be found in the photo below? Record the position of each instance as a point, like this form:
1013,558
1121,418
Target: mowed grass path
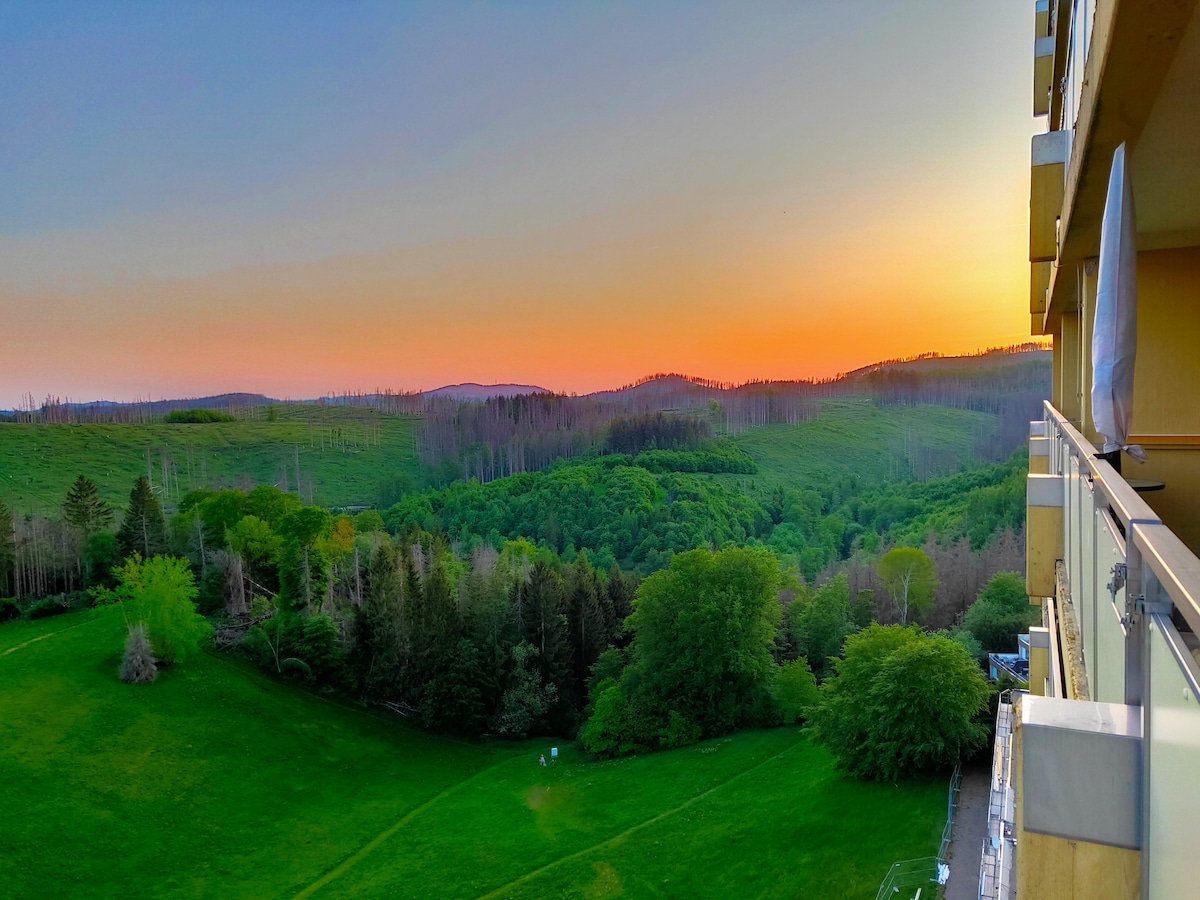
342,455
217,782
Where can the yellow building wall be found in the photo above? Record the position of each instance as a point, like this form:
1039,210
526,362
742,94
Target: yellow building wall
1053,867
1046,191
1068,386
1166,395
1043,548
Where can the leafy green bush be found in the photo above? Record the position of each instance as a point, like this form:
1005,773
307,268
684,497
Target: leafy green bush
9,610
609,732
196,417
795,691
903,702
48,606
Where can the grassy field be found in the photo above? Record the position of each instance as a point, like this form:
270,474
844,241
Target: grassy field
854,437
217,782
340,453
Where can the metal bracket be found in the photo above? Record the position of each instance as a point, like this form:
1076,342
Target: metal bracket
1135,604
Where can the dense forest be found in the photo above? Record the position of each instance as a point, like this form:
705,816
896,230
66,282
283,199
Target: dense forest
556,558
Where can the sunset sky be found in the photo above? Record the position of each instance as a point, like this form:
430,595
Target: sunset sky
300,198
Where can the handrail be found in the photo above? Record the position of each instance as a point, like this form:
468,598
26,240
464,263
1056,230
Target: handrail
1124,500
1175,568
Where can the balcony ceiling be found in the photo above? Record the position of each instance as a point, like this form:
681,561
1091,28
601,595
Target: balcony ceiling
1166,158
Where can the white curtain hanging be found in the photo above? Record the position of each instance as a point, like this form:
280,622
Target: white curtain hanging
1114,337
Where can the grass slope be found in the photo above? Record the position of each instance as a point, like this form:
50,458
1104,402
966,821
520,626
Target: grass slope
342,455
217,782
855,437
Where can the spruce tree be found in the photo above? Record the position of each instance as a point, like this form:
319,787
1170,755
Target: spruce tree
84,509
143,530
8,551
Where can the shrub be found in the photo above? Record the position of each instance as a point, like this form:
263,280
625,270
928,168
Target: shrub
48,606
137,662
609,732
9,610
196,417
795,691
1001,613
680,731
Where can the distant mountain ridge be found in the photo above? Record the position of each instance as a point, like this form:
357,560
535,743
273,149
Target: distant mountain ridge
673,383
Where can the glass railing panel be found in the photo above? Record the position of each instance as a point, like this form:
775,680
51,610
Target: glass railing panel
1108,634
1172,747
1084,596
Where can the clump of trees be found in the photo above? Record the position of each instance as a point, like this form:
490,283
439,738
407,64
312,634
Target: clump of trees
1000,613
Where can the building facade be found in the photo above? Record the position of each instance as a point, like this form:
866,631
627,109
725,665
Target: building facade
1103,758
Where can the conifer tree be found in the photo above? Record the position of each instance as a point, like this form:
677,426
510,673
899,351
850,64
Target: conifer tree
84,509
8,551
143,530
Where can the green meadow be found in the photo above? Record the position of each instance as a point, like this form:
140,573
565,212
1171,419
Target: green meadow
340,454
857,438
215,781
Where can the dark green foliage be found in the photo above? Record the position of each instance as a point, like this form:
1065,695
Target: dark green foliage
48,606
452,700
83,507
379,639
314,640
903,702
820,624
862,610
526,700
656,431
143,529
703,633
137,662
100,558
196,417
8,548
9,610
1000,613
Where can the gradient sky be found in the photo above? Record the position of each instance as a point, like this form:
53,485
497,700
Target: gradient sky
299,198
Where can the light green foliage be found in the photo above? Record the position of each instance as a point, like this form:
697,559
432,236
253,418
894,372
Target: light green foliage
253,540
118,768
609,731
160,593
1000,613
903,702
703,633
909,578
794,690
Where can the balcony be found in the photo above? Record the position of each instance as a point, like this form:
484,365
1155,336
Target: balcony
1111,748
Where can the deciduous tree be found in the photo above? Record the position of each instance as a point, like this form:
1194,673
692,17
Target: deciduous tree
909,578
903,702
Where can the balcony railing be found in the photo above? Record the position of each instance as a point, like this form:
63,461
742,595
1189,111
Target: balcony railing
1134,591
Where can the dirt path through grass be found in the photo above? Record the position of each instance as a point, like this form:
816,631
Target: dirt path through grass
375,842
534,873
43,637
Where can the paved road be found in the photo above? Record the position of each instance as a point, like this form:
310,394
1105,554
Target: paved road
970,828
